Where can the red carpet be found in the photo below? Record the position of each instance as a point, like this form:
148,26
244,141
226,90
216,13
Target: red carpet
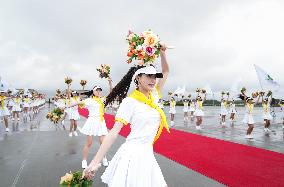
229,163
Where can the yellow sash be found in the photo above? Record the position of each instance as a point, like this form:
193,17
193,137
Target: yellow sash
250,108
173,103
200,105
99,100
17,100
27,100
150,102
265,106
2,102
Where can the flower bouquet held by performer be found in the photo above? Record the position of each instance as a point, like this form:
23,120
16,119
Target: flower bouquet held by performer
104,71
147,120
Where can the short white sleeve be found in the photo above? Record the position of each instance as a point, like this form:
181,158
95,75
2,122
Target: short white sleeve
125,111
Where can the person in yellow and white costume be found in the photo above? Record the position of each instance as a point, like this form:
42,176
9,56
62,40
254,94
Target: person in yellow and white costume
73,113
266,113
4,111
248,118
134,164
185,110
16,109
223,110
26,102
232,111
191,109
199,109
172,111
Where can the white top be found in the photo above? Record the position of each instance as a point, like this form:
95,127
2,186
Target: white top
223,105
93,106
144,120
172,104
74,101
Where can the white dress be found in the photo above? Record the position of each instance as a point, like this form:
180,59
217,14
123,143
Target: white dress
192,107
248,118
26,103
73,111
223,111
233,108
185,106
4,110
266,112
94,126
172,107
134,164
16,105
198,110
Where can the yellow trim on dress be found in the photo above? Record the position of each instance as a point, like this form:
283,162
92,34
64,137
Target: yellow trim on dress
158,91
121,120
99,100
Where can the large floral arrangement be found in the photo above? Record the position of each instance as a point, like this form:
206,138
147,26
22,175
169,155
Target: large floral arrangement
55,115
104,70
75,179
144,47
68,80
83,83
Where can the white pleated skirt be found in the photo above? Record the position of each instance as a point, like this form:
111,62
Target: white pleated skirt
134,165
224,112
267,116
248,119
16,109
94,127
4,111
199,112
172,111
73,114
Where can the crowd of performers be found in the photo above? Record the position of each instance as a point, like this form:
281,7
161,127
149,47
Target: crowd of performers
15,107
193,108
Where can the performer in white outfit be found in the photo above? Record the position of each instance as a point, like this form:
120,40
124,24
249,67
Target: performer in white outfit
16,109
266,113
185,110
172,111
192,109
134,164
199,110
233,111
4,111
224,111
73,113
248,118
26,108
95,124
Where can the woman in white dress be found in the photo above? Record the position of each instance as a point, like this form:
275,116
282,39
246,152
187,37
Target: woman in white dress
192,109
223,111
16,109
73,113
134,164
199,110
185,110
248,118
281,104
95,124
172,111
26,108
266,113
233,111
4,111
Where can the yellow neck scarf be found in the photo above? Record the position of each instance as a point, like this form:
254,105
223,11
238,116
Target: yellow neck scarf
200,105
68,102
173,103
99,100
250,108
150,102
2,101
17,100
27,100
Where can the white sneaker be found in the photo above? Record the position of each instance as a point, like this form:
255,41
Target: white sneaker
13,119
249,136
198,128
105,162
75,133
265,130
7,129
70,134
18,119
84,164
268,130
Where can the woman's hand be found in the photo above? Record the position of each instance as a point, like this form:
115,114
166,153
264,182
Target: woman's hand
163,48
90,171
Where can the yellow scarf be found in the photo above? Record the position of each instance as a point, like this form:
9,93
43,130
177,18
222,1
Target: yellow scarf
99,100
68,102
2,102
250,108
200,105
27,100
150,102
17,100
173,103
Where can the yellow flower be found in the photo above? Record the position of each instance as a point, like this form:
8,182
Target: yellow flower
151,40
67,178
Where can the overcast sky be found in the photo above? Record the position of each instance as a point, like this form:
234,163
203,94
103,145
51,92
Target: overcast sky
217,41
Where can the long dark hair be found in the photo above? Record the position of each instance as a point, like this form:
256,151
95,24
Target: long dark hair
120,91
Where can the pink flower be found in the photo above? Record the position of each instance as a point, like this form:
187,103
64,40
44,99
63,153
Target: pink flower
150,51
